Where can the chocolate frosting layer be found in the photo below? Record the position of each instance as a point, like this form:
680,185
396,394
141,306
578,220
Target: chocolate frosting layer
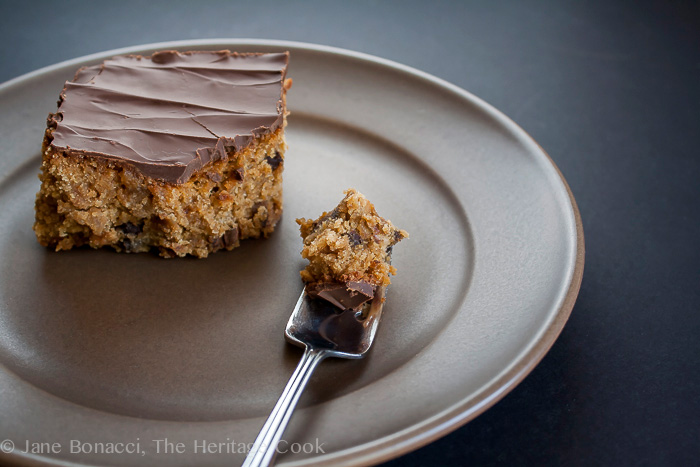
344,295
172,113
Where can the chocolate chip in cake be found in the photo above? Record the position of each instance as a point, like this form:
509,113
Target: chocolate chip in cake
274,161
264,215
130,245
130,228
354,237
216,243
334,214
230,238
214,176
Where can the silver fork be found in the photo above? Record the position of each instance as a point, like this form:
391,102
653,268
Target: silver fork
323,331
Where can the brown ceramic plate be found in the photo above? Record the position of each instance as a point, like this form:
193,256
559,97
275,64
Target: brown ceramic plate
99,348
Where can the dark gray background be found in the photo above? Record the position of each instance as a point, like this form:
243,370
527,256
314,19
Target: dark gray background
612,92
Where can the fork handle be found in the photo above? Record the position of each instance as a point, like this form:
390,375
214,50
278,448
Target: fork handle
265,446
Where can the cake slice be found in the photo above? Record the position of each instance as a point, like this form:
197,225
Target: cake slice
349,252
181,153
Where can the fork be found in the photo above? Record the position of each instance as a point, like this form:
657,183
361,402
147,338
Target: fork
323,331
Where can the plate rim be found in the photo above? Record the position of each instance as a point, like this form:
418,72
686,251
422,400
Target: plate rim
457,415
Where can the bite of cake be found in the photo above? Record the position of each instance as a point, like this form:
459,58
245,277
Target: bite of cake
179,152
349,252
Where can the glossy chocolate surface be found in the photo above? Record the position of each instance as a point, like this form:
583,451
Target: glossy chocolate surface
172,113
344,295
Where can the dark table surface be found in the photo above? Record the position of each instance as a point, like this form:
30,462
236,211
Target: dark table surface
612,93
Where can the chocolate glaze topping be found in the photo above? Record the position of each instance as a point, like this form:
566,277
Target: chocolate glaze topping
172,113
344,295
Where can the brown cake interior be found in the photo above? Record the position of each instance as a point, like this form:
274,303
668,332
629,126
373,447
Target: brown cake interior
97,202
350,244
